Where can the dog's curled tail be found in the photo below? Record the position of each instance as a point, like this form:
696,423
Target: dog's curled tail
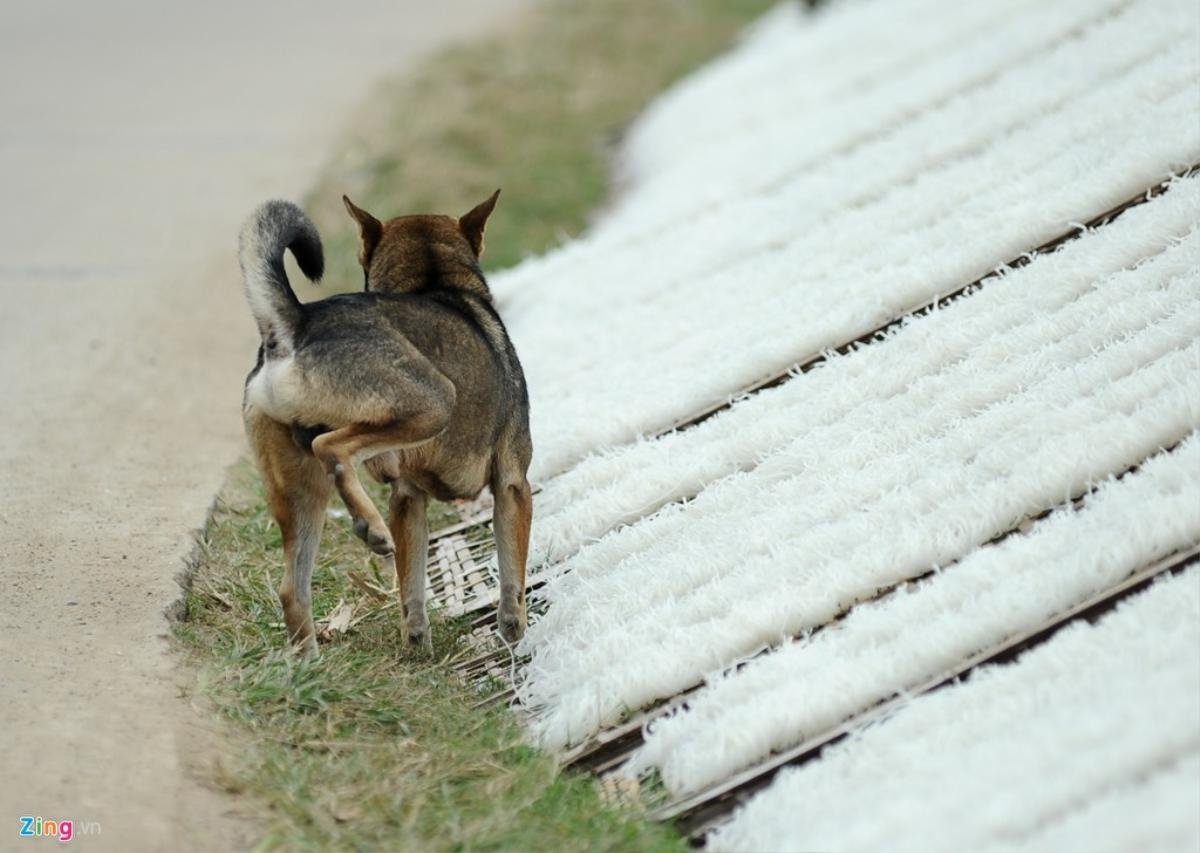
273,227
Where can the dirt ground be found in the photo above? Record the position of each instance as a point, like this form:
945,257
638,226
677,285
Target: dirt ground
136,136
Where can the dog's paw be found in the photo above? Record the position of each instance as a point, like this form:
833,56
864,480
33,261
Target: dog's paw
378,541
419,638
512,626
307,649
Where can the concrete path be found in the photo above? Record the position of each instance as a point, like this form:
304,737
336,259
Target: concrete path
135,137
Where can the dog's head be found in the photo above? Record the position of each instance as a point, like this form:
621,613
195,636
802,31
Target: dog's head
416,252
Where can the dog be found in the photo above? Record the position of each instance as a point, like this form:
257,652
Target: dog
415,376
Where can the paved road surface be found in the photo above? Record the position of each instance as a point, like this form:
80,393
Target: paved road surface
135,136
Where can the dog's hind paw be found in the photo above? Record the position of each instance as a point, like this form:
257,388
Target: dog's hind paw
380,543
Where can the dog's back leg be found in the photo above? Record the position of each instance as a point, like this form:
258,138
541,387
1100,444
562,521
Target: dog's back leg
512,517
340,449
297,493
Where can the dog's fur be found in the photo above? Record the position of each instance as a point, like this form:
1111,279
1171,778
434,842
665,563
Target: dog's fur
415,376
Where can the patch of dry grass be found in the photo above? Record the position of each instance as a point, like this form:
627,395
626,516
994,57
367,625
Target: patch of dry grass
534,110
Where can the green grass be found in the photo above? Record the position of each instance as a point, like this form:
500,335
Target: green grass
374,746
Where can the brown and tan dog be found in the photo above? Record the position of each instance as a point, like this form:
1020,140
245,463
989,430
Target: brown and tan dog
414,376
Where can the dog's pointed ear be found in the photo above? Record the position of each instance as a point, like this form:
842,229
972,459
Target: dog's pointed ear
369,231
472,224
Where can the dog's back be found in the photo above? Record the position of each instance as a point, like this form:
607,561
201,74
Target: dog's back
361,340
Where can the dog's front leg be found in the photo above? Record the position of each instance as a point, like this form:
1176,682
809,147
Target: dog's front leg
410,531
512,516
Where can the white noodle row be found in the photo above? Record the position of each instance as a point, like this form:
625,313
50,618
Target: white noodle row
621,341
1156,811
912,635
946,133
667,206
1018,756
873,497
634,480
825,60
960,64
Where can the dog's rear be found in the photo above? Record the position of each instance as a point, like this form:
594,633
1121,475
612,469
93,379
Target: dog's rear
416,376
